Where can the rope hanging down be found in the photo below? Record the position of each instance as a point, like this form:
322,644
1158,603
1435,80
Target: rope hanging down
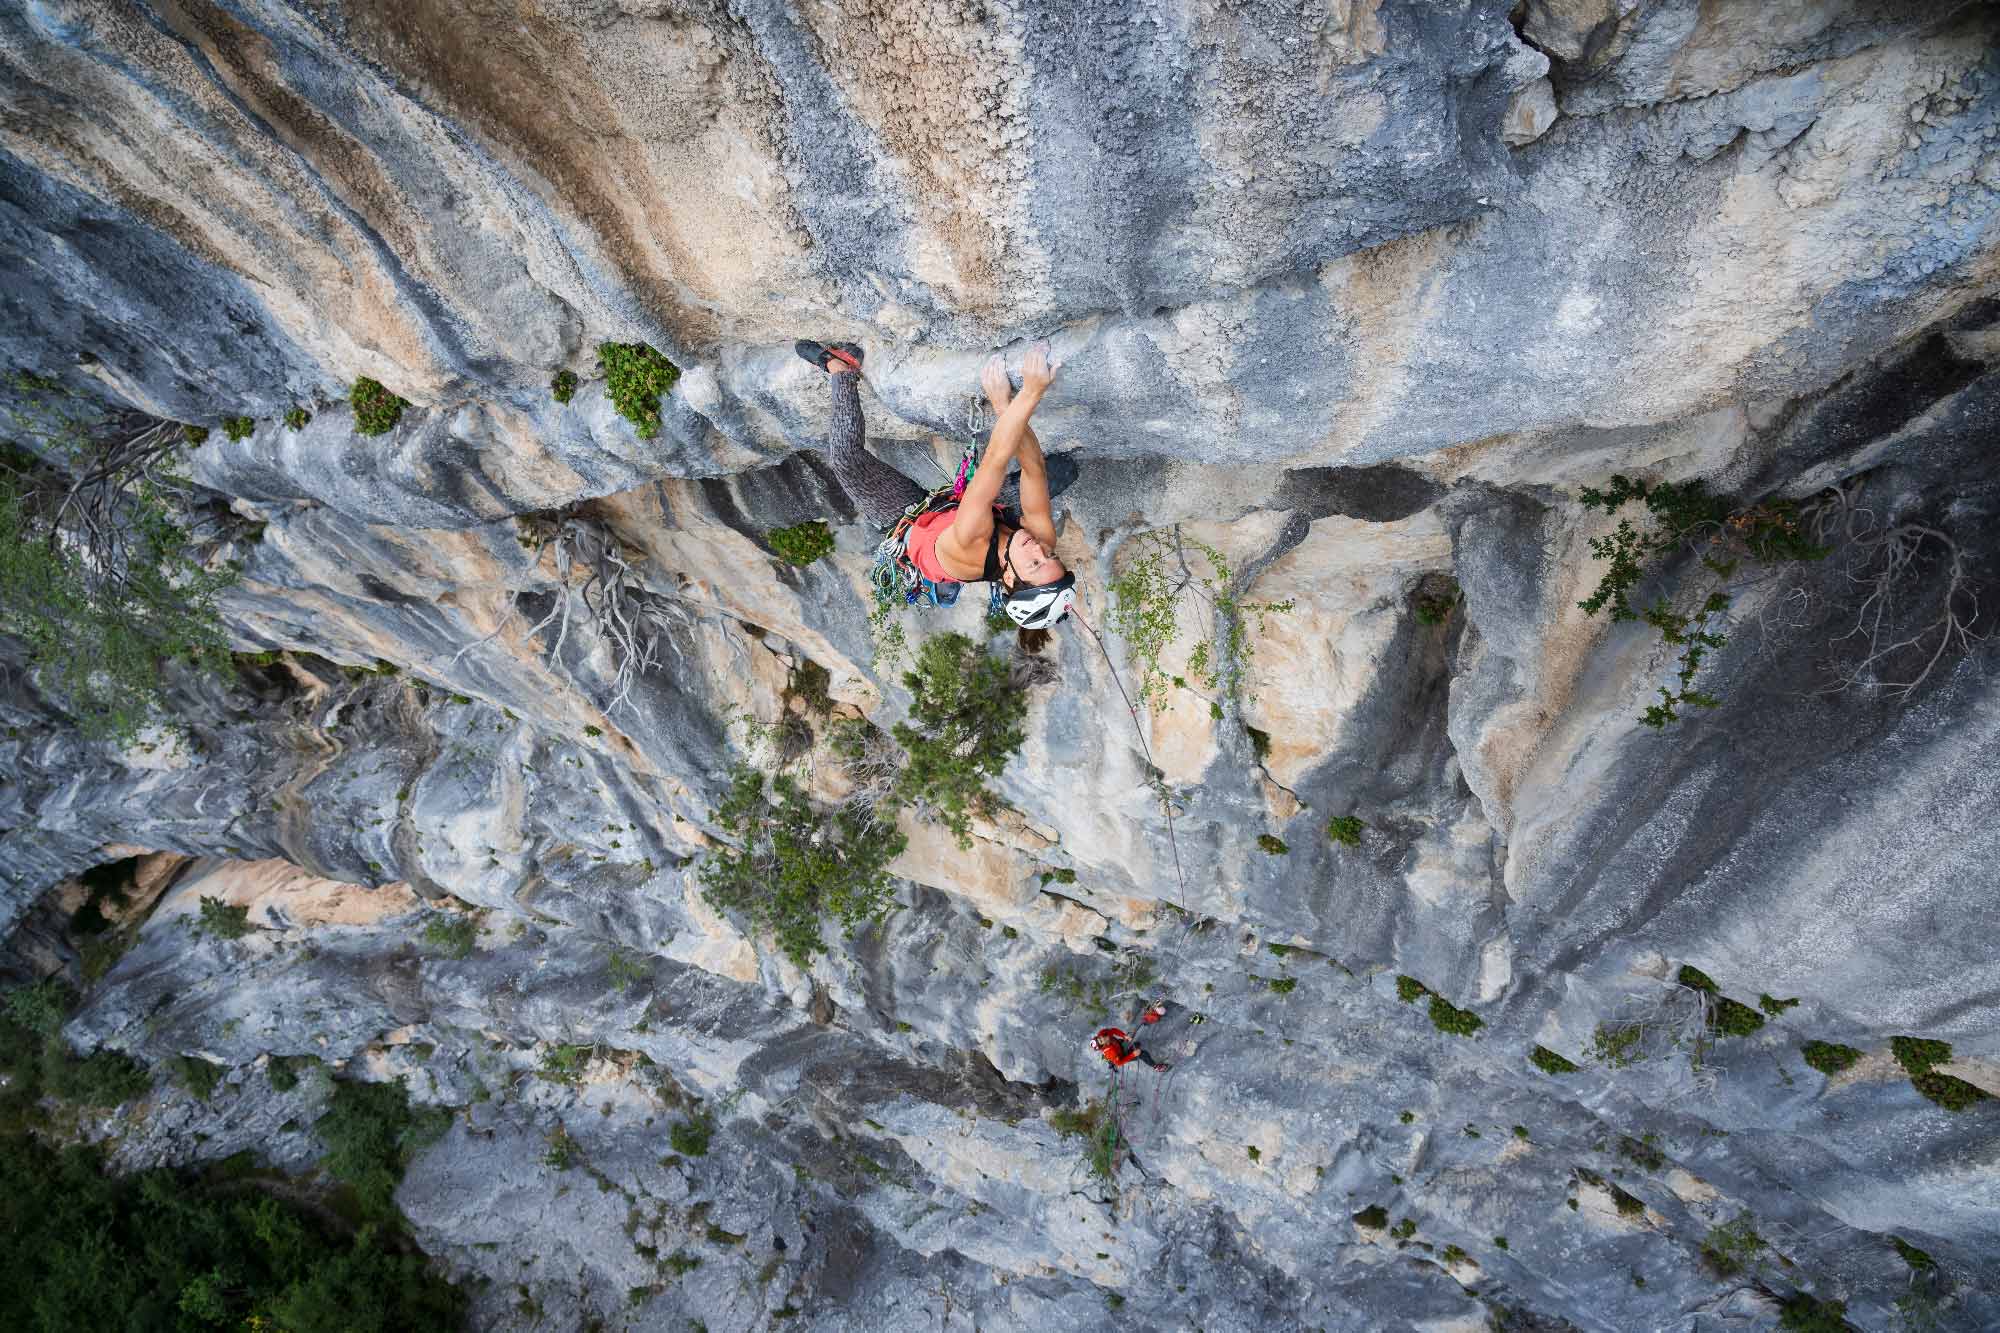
1158,775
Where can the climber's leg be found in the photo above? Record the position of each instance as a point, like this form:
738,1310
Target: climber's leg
877,489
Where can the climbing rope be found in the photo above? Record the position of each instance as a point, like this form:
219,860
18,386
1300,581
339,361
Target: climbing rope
1166,798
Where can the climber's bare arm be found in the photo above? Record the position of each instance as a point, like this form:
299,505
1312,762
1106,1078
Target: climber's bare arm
1037,512
966,539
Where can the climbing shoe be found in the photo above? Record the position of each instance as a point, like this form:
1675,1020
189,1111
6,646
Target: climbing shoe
822,353
1162,1067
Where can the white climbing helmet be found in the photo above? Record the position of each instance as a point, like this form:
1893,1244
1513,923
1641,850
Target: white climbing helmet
1043,606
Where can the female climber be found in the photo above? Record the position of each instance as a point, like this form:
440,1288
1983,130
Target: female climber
970,540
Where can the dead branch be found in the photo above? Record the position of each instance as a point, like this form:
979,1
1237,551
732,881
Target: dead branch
630,620
1887,560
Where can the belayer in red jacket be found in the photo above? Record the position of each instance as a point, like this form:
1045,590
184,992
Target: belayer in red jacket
1119,1049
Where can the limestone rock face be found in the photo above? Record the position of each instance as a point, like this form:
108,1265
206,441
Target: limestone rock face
1354,298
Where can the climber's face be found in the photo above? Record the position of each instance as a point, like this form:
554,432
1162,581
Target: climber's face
1031,563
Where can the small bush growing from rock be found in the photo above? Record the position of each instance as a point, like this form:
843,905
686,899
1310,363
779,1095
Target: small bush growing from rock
1283,985
1684,512
195,1074
1617,1045
238,428
1730,1018
451,935
1404,1229
282,1071
194,434
1549,1062
1372,1218
1345,830
966,722
792,867
1146,599
1641,1153
1064,875
623,970
1807,1314
1408,989
296,418
1449,1018
376,410
562,1151
1774,1006
221,921
563,387
1696,979
1452,1254
564,1064
1917,1055
1434,603
1732,1246
1271,846
690,1137
803,543
1919,1260
635,375
372,1132
1628,1205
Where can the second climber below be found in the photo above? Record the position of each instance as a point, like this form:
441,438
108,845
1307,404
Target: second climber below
974,539
1119,1049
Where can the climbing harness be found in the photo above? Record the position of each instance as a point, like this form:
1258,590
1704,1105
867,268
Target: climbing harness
895,576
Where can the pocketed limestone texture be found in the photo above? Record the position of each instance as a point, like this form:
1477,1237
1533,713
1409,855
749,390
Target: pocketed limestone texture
1356,294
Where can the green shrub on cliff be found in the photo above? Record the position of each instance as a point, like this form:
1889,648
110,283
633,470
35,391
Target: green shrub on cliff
371,1133
1917,1055
1166,573
804,543
787,866
376,410
966,721
296,418
635,375
238,428
1685,516
563,387
100,580
1829,1057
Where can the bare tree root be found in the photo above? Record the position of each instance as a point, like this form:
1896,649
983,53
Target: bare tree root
595,590
1890,558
